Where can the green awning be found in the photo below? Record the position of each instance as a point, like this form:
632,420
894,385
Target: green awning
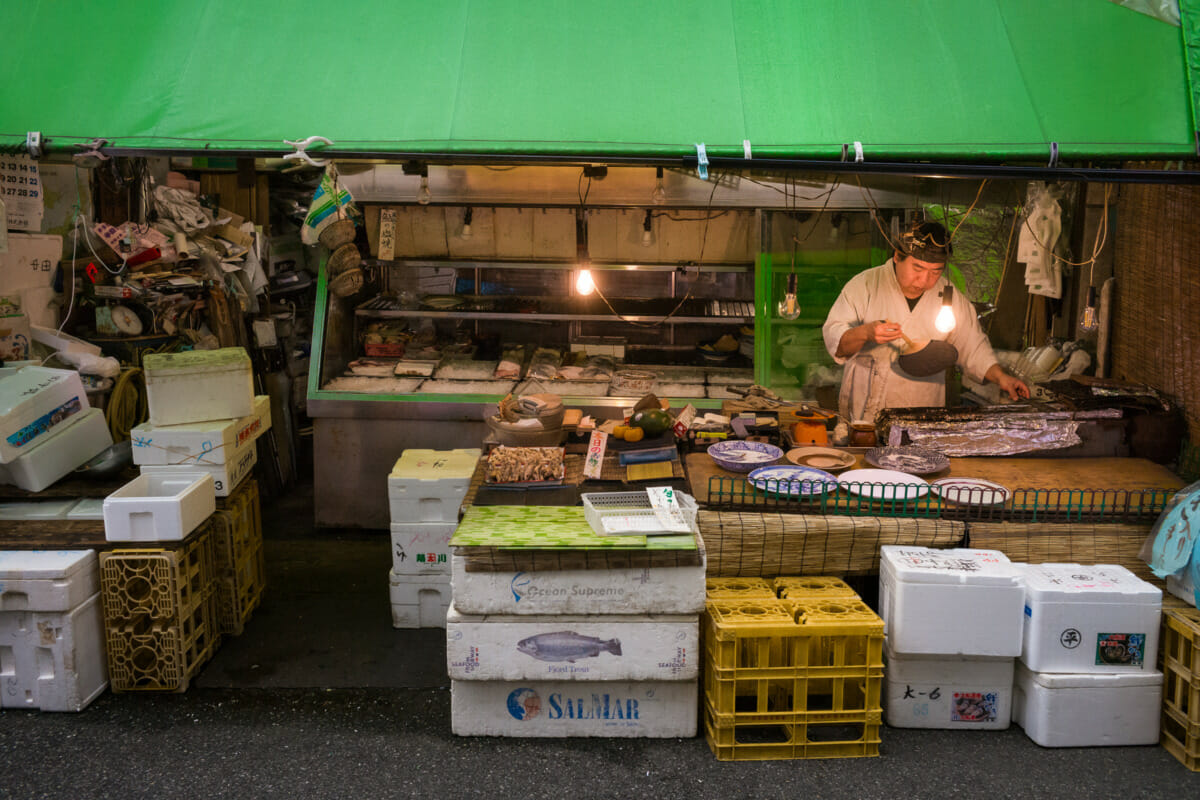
984,80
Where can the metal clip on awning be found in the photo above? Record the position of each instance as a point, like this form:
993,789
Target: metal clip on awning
858,152
701,162
301,151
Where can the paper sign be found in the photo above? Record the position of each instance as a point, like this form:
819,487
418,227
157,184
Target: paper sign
21,190
387,234
30,261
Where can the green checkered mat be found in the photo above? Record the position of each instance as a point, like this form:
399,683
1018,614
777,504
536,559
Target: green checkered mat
540,527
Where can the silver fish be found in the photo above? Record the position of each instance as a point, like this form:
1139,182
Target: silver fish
566,646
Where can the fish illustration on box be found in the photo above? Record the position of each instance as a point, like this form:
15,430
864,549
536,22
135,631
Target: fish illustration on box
567,646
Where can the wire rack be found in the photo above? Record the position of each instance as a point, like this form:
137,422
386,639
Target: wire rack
909,501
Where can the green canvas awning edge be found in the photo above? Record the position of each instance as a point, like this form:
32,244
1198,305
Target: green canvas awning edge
989,81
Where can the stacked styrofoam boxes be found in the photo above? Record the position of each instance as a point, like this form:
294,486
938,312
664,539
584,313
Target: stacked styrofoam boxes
791,670
1087,674
425,490
954,626
51,632
224,448
47,428
588,652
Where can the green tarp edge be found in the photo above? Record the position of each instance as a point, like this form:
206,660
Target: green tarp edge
1189,25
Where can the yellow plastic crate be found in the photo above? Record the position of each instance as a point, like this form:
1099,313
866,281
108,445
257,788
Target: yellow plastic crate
164,585
796,588
238,550
816,735
147,655
1180,650
737,588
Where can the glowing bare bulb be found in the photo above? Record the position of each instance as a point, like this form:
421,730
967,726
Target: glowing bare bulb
1089,320
424,195
789,306
945,320
584,283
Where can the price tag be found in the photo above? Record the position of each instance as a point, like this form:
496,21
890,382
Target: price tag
387,234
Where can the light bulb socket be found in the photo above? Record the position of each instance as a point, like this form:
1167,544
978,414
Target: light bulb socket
791,283
1091,297
647,223
948,295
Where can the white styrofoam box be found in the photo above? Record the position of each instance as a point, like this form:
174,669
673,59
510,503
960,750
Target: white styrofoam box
226,476
967,692
204,442
610,709
1059,709
198,385
38,509
429,485
88,508
34,402
419,601
53,660
652,590
1100,618
950,602
56,455
1181,586
594,647
164,506
47,580
421,548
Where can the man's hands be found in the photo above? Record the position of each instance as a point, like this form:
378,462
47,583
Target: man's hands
880,332
1015,387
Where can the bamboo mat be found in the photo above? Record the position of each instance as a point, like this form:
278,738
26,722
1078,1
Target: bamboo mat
1067,543
745,544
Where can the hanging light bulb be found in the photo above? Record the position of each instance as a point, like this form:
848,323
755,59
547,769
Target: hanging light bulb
945,321
789,306
659,195
647,231
424,195
584,283
1089,321
466,228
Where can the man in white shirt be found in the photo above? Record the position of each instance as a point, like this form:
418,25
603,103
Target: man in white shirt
866,326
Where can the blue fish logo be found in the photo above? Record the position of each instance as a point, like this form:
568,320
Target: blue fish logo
524,703
519,581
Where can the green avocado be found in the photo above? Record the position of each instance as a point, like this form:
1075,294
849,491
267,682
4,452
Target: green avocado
654,421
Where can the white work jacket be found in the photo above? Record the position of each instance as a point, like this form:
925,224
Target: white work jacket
872,380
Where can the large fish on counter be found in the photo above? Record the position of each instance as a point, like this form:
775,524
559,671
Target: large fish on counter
566,646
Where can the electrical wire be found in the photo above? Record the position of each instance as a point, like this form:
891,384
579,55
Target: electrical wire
127,405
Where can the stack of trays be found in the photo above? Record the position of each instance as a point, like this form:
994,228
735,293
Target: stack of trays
562,644
425,490
954,627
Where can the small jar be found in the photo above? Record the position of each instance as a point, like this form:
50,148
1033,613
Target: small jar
862,433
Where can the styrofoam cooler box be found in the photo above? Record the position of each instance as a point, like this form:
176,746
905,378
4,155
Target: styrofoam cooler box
59,453
204,442
38,509
227,476
198,385
1058,709
1182,586
951,692
47,580
421,548
163,506
34,402
419,601
54,660
429,485
950,602
650,590
1100,618
616,709
598,647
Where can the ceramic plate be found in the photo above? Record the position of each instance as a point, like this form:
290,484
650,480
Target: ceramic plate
739,456
970,491
794,481
913,460
859,481
825,458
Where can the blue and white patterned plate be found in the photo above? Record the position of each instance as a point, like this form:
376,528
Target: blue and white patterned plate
794,481
736,455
